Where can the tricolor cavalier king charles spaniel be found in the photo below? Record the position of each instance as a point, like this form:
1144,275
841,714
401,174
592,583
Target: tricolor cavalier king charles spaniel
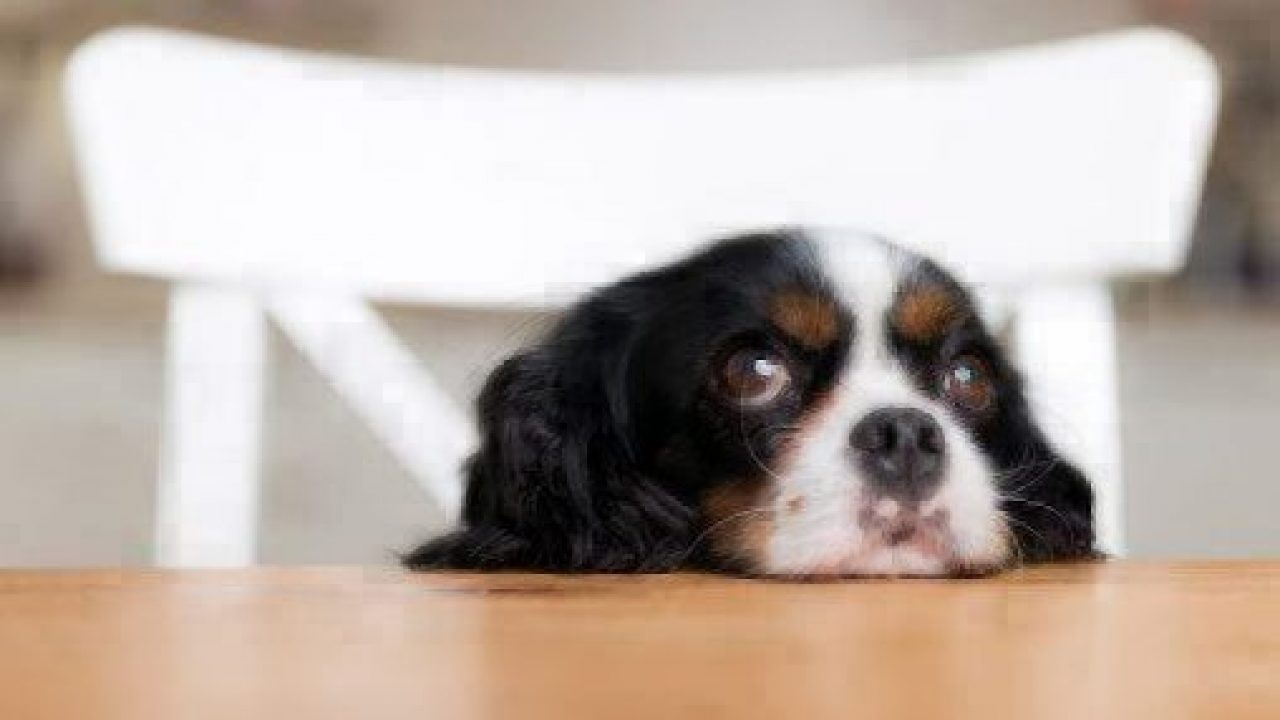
792,403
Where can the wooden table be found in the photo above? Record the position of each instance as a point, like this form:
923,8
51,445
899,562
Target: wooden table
1123,640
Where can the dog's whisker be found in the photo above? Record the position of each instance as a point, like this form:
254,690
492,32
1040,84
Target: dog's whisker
1018,549
1066,522
706,532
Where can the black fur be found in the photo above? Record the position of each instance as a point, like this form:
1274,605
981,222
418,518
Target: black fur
599,443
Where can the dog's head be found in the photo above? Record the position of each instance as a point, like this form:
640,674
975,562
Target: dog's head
790,403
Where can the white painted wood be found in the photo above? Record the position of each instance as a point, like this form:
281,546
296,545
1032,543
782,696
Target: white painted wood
1065,340
209,158
372,370
1051,167
207,501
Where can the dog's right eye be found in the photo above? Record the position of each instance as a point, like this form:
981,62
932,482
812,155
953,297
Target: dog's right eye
755,377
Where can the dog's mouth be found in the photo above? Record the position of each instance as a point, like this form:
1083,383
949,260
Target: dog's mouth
919,556
888,523
895,538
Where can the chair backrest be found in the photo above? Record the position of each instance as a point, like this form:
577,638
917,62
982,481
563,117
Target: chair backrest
227,164
217,160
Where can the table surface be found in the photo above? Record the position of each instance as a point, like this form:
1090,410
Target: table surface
1125,640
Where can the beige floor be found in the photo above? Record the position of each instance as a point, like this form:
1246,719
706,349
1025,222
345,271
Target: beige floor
80,384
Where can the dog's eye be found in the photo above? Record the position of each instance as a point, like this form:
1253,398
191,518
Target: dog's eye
967,383
755,377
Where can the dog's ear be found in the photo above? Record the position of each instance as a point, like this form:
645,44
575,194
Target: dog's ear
1050,503
554,484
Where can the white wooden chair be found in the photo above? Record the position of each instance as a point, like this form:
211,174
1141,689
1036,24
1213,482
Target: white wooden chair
268,182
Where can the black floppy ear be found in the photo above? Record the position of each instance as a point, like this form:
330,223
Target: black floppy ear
1048,501
554,485
1051,504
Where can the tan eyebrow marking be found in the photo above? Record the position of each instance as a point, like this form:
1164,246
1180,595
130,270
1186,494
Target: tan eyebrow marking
925,313
809,319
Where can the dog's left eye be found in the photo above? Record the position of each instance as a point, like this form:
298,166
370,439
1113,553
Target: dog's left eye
967,382
755,377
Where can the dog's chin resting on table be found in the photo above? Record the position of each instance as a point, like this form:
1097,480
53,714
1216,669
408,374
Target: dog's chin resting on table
794,403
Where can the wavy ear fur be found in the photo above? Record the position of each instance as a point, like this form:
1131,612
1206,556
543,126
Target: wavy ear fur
1047,499
1051,505
554,485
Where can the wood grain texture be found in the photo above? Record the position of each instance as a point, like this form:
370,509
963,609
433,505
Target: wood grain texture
1120,640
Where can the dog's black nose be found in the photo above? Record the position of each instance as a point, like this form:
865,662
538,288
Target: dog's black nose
901,450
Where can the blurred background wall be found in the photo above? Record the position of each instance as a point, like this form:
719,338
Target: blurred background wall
81,352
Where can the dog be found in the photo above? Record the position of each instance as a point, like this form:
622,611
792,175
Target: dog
795,403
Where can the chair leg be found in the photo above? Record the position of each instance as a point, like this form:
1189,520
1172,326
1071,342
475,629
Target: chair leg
405,407
1066,343
207,500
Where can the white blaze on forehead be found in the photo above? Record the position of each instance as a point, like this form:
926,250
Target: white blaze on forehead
825,536
865,273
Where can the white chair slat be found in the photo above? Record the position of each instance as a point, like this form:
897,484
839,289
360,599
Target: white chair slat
318,182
